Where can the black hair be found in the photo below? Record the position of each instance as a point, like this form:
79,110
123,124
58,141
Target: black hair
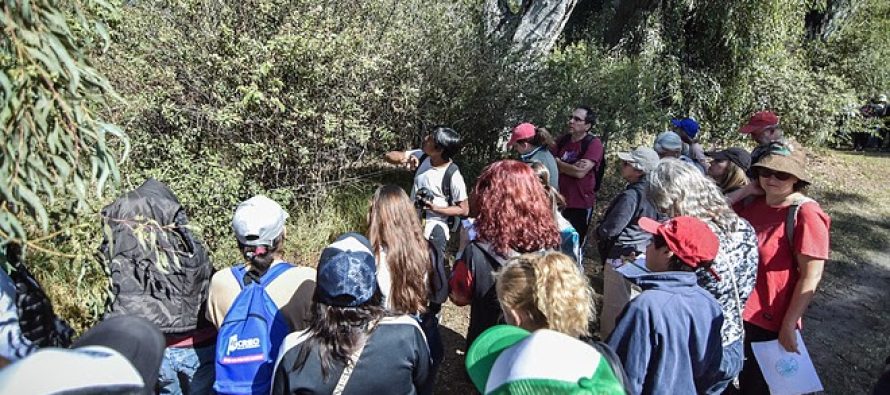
261,262
335,332
590,116
447,140
675,264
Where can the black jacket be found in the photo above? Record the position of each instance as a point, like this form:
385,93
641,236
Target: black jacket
485,310
618,230
174,300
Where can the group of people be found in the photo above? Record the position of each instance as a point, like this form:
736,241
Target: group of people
703,253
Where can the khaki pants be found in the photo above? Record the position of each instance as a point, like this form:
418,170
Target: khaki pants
617,292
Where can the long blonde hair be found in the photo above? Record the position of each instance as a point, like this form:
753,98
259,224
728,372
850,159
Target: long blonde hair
393,225
733,178
550,290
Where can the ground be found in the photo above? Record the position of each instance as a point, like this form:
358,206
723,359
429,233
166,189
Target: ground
845,328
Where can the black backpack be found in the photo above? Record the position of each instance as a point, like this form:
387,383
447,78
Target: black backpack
438,280
173,299
585,144
453,222
37,319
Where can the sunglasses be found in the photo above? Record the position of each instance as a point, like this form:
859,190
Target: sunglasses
779,175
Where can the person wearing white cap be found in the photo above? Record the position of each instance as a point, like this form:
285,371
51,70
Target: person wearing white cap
670,145
618,233
259,229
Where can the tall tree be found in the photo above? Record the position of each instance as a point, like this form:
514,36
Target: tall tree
49,92
529,27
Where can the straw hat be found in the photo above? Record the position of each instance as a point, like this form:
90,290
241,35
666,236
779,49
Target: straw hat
787,159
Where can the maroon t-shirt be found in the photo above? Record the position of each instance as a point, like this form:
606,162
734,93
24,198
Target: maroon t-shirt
579,192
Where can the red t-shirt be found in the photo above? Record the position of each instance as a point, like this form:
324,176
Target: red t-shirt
579,192
777,273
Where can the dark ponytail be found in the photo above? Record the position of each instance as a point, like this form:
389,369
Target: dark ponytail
542,138
262,261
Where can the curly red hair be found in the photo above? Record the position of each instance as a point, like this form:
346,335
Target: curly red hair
514,211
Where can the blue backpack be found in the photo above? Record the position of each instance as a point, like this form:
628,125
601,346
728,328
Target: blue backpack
249,338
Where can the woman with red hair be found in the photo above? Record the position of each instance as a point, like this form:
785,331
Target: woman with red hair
513,217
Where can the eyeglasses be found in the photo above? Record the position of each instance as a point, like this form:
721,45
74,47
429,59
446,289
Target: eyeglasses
779,175
576,119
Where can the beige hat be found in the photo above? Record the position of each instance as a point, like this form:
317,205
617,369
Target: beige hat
787,159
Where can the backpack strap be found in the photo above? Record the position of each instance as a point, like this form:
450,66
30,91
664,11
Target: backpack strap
273,273
791,218
563,141
446,182
423,157
585,143
353,360
239,271
488,249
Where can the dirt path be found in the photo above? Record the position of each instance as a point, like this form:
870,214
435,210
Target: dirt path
847,327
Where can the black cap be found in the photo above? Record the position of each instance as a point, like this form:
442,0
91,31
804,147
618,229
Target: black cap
735,155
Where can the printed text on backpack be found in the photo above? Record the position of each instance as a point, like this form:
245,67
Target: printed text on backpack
249,337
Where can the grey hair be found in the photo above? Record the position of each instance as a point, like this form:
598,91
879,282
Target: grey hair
677,188
637,166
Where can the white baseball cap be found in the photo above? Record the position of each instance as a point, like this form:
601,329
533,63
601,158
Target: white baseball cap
258,221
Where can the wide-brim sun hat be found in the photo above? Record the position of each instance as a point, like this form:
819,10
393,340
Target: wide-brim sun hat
786,160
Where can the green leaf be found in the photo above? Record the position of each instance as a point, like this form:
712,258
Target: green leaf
6,84
31,199
63,55
117,132
26,12
103,33
52,65
61,165
30,38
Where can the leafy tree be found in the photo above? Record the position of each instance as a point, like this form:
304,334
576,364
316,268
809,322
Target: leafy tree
49,91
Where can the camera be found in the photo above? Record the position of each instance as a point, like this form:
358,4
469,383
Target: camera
423,197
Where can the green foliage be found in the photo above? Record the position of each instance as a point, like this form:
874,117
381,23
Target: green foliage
297,99
53,139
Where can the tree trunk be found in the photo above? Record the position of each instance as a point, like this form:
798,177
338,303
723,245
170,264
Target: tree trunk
530,27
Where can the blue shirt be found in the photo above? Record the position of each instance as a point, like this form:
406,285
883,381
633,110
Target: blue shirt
668,338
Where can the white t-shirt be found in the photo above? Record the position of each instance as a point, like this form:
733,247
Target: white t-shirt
431,178
384,279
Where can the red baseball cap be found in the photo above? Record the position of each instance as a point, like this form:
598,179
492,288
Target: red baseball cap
690,239
521,132
759,121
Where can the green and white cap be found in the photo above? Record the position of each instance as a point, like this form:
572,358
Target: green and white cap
509,360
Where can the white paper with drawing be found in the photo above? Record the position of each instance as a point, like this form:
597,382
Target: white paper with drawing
787,373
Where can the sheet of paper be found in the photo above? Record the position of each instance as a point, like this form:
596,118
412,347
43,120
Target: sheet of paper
787,373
